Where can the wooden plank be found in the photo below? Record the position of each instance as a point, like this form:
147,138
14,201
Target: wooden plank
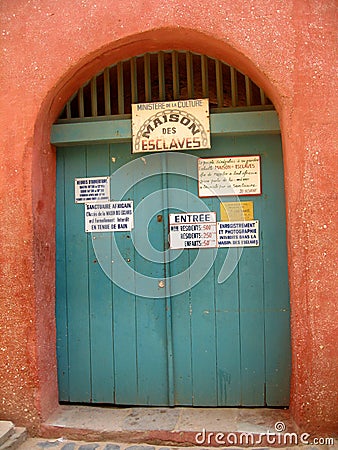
100,298
147,77
175,74
80,99
181,304
203,323
205,77
234,87
219,83
152,358
133,80
120,88
93,96
190,74
161,76
276,291
248,90
227,308
101,131
251,303
106,83
77,284
124,326
61,281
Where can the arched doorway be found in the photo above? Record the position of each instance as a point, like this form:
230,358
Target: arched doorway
222,341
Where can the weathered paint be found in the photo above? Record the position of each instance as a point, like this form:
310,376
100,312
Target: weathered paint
288,48
228,343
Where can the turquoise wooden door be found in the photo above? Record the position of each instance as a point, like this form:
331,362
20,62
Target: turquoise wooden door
223,341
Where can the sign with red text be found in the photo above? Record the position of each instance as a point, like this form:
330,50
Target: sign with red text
169,126
227,176
192,230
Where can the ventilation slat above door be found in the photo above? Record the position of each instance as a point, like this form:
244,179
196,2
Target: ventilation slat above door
166,75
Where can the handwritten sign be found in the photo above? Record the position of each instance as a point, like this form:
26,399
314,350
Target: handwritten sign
238,234
168,126
109,216
192,230
226,176
92,189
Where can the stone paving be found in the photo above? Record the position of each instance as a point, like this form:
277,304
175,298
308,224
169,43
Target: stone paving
61,444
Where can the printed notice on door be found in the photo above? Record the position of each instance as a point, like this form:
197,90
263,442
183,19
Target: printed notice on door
92,189
109,216
238,234
192,230
226,176
168,126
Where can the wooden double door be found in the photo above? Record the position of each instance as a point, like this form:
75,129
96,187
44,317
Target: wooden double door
140,324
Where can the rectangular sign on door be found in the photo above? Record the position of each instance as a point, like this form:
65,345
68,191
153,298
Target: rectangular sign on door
230,175
192,230
92,189
109,216
238,234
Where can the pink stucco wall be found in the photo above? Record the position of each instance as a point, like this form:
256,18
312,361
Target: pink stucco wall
49,48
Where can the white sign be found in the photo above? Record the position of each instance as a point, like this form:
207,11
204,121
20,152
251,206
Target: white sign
192,230
109,216
238,234
176,125
92,189
226,176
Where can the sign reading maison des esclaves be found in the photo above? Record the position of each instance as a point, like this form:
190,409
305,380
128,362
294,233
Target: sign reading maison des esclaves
174,125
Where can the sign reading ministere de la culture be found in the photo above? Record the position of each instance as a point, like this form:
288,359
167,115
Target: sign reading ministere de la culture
168,126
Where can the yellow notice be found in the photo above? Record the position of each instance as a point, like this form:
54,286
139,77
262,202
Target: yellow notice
236,211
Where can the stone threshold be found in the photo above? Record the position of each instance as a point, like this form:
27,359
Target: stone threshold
177,426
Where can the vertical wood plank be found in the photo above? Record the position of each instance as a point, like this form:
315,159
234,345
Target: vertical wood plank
133,78
124,312
152,343
234,88
203,324
175,74
205,77
77,283
181,303
219,83
248,91
93,96
161,76
61,281
276,291
227,308
106,83
147,77
100,298
190,75
120,88
81,103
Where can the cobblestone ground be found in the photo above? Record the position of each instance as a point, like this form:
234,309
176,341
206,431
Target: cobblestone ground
61,444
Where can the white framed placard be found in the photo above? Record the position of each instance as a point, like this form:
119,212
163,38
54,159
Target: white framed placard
192,230
109,216
169,126
238,234
92,189
230,175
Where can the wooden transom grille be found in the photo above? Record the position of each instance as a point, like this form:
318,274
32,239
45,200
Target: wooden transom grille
164,76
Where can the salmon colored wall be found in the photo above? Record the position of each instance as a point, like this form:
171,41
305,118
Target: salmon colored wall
49,48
